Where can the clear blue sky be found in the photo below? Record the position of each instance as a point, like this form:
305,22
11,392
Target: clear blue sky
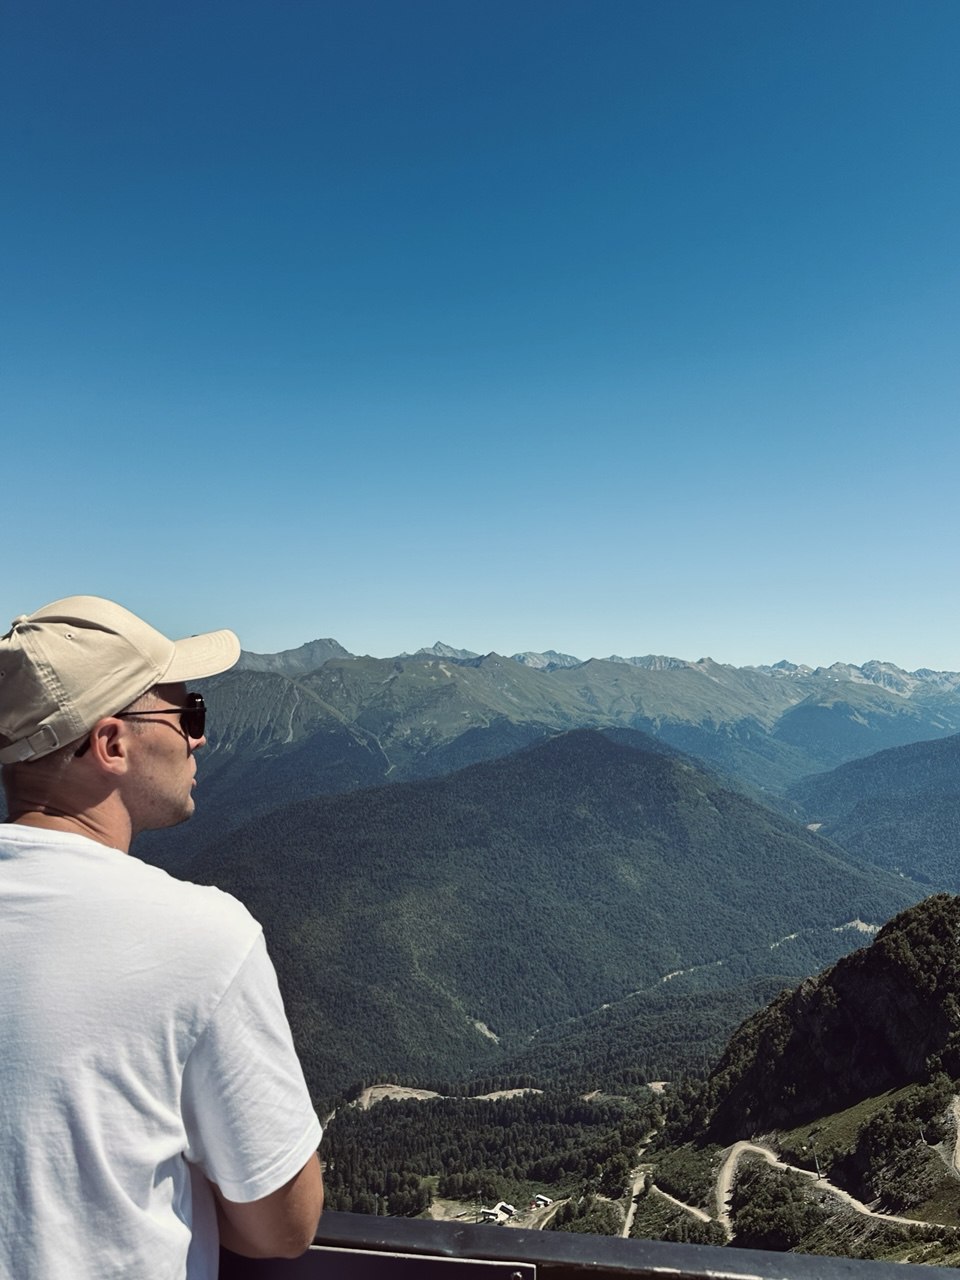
608,326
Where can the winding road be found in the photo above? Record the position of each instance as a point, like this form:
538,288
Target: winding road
727,1172
725,1184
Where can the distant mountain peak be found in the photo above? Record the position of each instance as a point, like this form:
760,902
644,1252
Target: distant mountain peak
549,660
785,669
292,662
651,662
885,674
441,650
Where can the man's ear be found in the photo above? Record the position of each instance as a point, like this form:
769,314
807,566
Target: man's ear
108,745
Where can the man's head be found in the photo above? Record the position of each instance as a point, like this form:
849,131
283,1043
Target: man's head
85,677
78,659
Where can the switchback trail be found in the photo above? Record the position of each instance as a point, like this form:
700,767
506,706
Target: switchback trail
725,1182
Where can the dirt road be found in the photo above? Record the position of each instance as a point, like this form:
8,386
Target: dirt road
725,1183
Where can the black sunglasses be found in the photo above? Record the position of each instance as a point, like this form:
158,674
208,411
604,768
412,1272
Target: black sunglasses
193,717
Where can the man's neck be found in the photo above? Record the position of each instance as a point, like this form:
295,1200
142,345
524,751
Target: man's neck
89,825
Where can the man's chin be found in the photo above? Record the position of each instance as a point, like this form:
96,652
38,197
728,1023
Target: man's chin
185,814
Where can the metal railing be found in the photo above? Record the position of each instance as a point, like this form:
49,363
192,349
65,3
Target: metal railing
355,1246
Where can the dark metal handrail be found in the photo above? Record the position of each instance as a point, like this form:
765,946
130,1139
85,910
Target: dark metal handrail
356,1246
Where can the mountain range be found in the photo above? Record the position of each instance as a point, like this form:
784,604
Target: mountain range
314,653
585,875
283,727
301,758
435,927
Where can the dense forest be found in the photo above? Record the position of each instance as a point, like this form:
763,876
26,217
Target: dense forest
899,810
525,892
675,1030
835,1038
485,1150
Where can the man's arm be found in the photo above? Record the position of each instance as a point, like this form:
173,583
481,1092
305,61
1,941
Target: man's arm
281,1224
250,1124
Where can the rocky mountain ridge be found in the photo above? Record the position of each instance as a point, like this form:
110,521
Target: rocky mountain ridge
356,721
887,675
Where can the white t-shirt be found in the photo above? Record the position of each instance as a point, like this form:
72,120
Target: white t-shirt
143,1049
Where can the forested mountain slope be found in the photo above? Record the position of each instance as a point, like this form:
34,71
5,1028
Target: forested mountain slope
317,721
519,893
831,1122
769,727
880,1018
899,809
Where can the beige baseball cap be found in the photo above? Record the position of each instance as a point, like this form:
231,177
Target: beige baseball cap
74,661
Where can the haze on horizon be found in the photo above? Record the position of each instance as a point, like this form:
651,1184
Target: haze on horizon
608,328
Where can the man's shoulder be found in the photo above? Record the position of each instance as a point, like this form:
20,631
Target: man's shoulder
204,901
106,884
197,933
208,915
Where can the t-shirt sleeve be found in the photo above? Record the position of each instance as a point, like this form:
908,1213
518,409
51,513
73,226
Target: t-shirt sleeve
248,1116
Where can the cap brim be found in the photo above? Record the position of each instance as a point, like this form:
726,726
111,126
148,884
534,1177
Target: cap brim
199,656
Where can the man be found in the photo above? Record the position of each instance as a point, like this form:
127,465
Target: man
151,1102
